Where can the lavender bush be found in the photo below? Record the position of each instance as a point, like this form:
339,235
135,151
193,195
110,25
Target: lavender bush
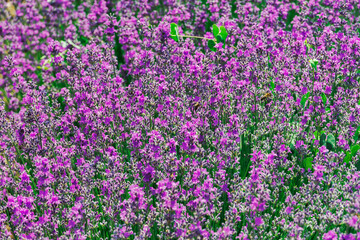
144,120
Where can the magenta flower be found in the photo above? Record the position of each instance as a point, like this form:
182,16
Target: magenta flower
258,221
331,235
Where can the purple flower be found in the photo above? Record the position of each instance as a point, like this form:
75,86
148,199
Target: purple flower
259,221
331,235
352,221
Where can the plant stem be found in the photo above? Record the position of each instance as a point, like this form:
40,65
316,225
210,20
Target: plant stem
195,37
202,38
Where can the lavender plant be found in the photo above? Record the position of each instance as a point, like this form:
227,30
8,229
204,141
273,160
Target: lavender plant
179,119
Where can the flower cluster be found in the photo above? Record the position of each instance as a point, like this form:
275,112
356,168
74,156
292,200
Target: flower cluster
116,125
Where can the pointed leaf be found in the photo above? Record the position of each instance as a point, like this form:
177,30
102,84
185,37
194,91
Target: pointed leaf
175,38
215,30
316,133
330,142
211,45
272,86
314,63
308,163
324,99
174,32
173,28
354,149
223,33
219,39
304,99
348,157
322,139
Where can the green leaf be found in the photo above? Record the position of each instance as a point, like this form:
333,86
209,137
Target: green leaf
324,99
348,157
173,28
174,32
219,39
316,151
354,149
304,99
322,139
314,63
223,33
215,30
272,86
211,45
330,142
316,133
359,102
308,163
328,109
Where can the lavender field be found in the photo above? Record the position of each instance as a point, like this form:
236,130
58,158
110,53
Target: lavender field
179,119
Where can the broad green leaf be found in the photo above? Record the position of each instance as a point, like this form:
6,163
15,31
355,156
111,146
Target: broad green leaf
219,39
304,99
322,139
348,157
174,32
330,142
173,28
327,109
308,163
316,133
223,33
215,30
292,147
354,149
272,86
324,99
211,45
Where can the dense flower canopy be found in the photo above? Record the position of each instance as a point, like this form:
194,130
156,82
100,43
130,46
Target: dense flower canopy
115,124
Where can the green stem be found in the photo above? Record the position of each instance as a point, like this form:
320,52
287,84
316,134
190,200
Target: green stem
202,38
195,37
